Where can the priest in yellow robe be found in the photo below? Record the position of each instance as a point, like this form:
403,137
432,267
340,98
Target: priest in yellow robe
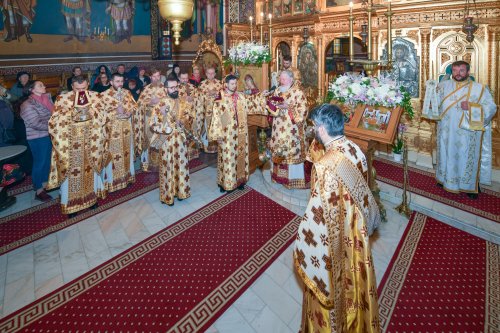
190,92
332,252
78,137
229,128
288,109
170,118
208,90
148,99
118,105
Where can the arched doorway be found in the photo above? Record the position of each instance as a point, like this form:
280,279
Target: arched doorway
337,56
282,49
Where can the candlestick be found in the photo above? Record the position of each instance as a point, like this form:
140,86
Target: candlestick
270,35
261,28
351,32
389,34
369,49
251,28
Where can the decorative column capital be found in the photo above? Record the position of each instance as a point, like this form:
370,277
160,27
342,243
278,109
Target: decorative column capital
425,32
494,32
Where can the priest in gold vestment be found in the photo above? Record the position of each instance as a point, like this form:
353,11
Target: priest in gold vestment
118,105
78,137
332,252
208,90
189,92
168,121
229,128
148,99
288,145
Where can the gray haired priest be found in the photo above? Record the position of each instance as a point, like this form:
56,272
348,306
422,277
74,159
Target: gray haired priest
465,111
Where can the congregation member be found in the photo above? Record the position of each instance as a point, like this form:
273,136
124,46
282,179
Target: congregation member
208,90
134,89
17,90
332,254
288,109
118,105
145,79
196,78
103,83
96,77
149,98
170,117
77,162
229,128
466,109
36,111
77,71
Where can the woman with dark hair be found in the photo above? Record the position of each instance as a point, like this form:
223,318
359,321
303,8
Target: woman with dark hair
36,111
175,72
103,69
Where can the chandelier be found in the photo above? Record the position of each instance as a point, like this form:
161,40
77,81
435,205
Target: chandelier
469,28
176,11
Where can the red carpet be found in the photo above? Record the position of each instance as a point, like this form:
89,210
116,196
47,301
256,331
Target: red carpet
23,186
441,279
424,183
31,224
178,280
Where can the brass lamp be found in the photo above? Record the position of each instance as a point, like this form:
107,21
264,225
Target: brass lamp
176,11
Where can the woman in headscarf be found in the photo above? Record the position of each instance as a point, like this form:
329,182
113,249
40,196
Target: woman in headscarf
103,69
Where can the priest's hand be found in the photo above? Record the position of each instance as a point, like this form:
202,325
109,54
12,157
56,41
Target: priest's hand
167,129
464,105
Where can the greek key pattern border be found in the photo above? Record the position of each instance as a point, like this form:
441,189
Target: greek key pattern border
390,293
492,311
67,293
71,221
220,297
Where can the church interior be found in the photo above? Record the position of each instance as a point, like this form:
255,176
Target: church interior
224,259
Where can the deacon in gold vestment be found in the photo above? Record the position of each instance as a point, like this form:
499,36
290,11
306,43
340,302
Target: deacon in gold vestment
332,252
208,90
288,145
150,96
230,129
169,119
190,92
118,105
464,132
78,137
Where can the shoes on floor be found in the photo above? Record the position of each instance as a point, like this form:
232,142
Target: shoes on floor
439,185
43,196
473,195
70,216
241,187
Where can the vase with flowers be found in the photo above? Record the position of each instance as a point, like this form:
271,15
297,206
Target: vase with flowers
397,147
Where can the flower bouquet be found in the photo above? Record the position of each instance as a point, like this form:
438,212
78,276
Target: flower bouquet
354,89
248,53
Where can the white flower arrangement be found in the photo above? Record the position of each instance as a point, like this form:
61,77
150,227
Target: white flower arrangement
248,53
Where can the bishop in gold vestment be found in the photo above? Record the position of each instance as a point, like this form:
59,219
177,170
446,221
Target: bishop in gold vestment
230,128
78,137
332,252
168,121
118,105
288,145
208,90
148,99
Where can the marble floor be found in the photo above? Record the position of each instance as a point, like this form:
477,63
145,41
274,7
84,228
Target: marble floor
271,304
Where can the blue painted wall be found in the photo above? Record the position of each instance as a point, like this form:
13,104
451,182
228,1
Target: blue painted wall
49,19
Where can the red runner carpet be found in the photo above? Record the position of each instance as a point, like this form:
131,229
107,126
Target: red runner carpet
424,183
36,222
178,280
441,279
23,186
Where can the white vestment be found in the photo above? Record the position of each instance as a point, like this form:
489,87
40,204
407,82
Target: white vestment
464,136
